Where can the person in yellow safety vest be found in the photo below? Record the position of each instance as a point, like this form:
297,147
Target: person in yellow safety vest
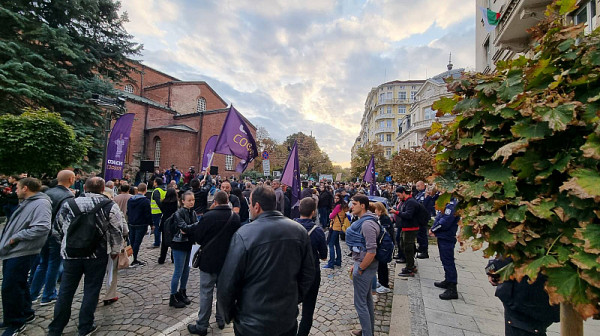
158,195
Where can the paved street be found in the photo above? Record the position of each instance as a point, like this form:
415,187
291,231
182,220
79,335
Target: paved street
476,312
143,307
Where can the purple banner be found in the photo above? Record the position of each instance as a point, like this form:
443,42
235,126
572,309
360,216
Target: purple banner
370,175
209,150
117,147
291,175
235,139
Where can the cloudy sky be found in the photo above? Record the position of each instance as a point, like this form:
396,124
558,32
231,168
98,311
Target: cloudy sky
307,66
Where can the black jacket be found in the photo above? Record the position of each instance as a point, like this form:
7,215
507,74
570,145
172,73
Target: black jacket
57,196
325,199
185,220
269,267
201,198
317,241
211,225
138,211
408,215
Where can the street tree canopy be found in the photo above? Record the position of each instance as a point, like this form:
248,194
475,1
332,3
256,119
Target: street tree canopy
311,158
38,142
56,54
363,156
522,156
410,166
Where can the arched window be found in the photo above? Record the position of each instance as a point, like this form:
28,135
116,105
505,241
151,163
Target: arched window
128,88
157,152
201,106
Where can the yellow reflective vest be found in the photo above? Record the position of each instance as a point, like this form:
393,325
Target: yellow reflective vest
153,206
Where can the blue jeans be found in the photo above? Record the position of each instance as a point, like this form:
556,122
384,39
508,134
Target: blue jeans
334,242
16,301
93,272
324,216
181,271
156,222
136,235
46,273
363,300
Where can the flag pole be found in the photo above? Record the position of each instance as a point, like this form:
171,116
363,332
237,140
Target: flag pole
208,167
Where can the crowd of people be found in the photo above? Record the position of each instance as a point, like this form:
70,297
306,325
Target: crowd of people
260,260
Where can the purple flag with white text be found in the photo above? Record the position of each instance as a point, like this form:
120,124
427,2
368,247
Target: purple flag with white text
209,150
291,175
117,147
369,175
236,139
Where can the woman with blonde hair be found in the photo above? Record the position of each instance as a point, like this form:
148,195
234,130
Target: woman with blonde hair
382,271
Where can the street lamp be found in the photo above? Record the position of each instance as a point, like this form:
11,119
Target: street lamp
112,107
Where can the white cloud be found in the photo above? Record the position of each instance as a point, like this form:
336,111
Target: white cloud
301,66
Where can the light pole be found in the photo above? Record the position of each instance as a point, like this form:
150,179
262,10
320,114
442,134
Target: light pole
111,106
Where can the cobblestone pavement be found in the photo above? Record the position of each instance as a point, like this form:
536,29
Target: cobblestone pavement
142,308
477,311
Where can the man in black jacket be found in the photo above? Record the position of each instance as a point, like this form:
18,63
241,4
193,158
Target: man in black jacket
410,228
269,260
325,205
139,217
213,233
46,274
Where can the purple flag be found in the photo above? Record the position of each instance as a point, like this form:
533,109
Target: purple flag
370,175
291,175
235,139
117,147
209,150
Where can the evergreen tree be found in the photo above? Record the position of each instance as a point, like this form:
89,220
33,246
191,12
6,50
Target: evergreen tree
56,54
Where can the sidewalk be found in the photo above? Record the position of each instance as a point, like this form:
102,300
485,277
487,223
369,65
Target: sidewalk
476,312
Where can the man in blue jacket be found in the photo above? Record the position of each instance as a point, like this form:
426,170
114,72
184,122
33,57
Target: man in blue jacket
444,228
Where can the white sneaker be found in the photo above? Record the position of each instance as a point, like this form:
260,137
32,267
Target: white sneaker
383,290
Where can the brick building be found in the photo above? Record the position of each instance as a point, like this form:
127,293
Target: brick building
173,121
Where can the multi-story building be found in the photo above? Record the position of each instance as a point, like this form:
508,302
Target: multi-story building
385,107
417,122
510,37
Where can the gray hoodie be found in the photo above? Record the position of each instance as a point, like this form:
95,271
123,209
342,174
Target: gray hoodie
28,227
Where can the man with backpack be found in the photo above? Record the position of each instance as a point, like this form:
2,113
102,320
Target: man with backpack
21,240
90,230
361,238
307,209
213,233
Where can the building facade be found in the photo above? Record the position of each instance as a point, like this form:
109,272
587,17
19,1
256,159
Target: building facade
173,121
385,108
417,122
510,37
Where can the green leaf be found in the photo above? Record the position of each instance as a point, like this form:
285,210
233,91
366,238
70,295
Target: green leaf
591,148
516,215
584,183
470,190
565,281
495,172
562,253
442,200
535,131
566,6
467,104
526,164
590,233
500,234
535,266
510,188
541,208
489,220
476,139
558,118
585,260
511,87
444,105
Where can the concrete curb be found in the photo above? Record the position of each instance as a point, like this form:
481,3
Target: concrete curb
408,311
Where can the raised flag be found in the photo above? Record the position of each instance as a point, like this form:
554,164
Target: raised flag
209,150
291,175
117,147
235,139
369,175
490,18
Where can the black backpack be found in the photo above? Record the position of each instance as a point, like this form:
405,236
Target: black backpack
423,216
170,230
385,246
84,236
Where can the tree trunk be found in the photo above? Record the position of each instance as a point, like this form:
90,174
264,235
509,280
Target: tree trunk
571,323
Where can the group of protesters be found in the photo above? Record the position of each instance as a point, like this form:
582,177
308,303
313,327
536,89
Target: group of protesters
246,237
